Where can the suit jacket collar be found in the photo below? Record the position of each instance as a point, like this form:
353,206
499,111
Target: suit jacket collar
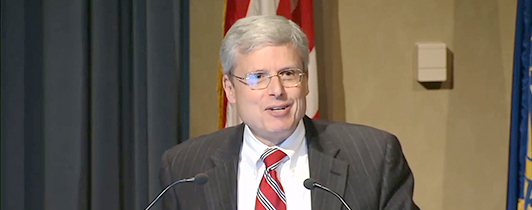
325,168
221,190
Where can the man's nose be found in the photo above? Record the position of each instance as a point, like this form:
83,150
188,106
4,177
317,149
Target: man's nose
276,87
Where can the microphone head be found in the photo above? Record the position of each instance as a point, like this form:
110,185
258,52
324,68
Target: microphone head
201,178
309,183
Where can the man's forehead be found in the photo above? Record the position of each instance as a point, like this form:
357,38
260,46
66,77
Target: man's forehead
247,55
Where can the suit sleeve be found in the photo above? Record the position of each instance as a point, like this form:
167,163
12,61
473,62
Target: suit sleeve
398,181
169,200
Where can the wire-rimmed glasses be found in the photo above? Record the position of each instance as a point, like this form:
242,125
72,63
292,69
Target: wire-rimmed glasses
260,80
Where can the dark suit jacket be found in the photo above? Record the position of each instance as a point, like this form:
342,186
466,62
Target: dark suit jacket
364,165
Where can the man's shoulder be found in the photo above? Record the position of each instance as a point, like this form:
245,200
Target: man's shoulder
351,134
205,144
345,128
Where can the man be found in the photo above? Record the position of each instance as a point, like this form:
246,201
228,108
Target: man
262,163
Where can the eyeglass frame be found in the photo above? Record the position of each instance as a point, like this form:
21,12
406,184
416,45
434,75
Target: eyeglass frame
301,74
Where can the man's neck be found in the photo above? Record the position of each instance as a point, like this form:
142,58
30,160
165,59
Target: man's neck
270,142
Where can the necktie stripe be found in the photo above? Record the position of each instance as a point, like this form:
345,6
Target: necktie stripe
267,186
273,166
265,201
276,187
267,152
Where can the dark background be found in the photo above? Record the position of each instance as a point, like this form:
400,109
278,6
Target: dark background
92,93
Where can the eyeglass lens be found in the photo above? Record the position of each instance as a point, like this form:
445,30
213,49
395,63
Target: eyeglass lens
289,78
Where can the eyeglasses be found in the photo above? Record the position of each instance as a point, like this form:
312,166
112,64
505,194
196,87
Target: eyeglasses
260,80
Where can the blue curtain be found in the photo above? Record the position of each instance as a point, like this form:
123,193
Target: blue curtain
92,93
517,195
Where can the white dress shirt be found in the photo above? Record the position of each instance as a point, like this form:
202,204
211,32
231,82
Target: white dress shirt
293,170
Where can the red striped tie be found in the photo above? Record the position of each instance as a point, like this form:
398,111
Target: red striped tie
270,195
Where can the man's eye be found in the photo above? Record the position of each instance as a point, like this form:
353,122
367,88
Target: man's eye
255,76
288,73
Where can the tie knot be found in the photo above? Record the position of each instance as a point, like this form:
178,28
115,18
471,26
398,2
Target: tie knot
272,157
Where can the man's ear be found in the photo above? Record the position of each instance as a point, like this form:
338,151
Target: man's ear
305,80
229,89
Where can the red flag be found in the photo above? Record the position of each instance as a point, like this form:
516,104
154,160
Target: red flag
299,11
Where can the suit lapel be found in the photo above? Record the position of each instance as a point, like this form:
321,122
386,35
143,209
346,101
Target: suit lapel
221,190
325,168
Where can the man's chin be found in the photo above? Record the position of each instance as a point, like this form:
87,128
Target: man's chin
281,129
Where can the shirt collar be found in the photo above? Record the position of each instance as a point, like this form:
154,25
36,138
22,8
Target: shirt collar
292,146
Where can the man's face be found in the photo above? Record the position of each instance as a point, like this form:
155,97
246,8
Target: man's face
274,112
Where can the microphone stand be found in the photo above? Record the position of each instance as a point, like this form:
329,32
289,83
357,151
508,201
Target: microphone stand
199,179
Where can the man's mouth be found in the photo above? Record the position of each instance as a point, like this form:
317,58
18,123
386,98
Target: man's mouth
275,108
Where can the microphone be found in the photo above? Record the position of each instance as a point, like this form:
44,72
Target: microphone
199,179
310,184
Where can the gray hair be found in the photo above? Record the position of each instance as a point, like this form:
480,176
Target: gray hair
255,32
